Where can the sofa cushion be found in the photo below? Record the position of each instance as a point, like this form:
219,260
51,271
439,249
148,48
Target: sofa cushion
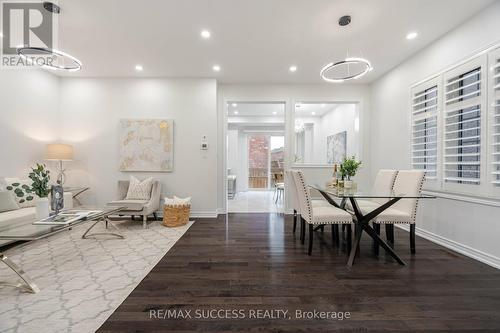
7,202
133,205
18,216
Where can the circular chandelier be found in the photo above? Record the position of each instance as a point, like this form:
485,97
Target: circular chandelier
72,66
348,69
365,67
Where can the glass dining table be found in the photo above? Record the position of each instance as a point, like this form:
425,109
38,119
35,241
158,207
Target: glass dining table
362,217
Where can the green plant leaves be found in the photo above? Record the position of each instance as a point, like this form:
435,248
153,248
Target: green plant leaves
40,177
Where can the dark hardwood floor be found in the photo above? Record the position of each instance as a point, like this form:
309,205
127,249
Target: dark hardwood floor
253,262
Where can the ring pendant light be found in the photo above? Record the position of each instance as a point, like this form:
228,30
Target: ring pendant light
363,64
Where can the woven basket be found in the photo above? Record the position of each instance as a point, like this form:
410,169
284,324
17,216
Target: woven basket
176,215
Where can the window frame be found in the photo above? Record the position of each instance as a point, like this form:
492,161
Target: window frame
430,184
493,56
483,59
463,69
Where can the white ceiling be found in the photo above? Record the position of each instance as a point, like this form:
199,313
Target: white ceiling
254,41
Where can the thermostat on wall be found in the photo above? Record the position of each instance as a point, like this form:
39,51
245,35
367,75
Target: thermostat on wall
204,143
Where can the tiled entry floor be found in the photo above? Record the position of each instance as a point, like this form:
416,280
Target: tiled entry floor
255,202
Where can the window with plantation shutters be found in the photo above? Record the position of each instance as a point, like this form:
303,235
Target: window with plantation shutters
424,145
494,120
462,124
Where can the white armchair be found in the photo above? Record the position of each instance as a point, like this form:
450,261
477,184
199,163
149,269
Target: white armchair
142,208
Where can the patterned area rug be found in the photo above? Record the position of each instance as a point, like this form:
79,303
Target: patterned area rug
82,281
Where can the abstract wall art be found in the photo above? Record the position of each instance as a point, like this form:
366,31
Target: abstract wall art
146,145
336,148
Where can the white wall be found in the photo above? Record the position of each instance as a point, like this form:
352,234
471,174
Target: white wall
29,108
467,226
290,94
90,114
340,118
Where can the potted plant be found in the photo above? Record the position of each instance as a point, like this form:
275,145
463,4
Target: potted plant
348,169
40,177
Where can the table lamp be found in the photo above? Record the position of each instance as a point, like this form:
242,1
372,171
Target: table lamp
59,152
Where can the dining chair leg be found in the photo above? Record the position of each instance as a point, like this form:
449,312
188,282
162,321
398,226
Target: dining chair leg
311,237
294,220
336,227
389,234
376,227
303,230
333,234
349,237
412,238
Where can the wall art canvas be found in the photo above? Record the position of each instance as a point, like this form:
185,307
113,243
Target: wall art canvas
146,145
336,148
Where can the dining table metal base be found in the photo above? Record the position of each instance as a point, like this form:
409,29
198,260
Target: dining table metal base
362,225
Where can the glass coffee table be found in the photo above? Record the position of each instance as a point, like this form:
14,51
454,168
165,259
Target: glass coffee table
33,232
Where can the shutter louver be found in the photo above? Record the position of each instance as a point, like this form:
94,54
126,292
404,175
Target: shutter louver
424,147
462,127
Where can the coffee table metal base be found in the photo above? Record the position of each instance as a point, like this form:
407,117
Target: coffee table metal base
29,286
108,223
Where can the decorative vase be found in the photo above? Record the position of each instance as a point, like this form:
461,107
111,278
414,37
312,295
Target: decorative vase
42,208
347,183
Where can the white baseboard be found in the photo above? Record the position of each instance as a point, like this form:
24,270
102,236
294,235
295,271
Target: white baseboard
457,247
203,215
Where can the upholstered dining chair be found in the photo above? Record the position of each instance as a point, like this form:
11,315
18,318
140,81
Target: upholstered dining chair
294,199
383,184
317,215
408,182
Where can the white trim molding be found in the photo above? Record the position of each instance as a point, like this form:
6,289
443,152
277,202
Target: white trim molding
208,215
464,198
457,247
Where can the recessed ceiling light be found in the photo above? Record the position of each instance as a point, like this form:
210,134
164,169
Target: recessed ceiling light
322,105
1,35
313,113
205,34
293,69
235,112
274,112
139,68
412,35
216,68
234,105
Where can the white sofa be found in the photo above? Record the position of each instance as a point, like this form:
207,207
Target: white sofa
22,216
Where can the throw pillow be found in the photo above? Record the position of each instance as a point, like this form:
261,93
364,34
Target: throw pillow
7,202
181,201
22,193
168,201
138,190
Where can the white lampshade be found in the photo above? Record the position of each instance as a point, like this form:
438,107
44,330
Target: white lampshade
59,152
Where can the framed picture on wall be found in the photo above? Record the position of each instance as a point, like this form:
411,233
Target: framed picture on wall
336,148
147,145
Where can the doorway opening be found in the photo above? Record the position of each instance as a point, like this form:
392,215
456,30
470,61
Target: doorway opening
255,157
